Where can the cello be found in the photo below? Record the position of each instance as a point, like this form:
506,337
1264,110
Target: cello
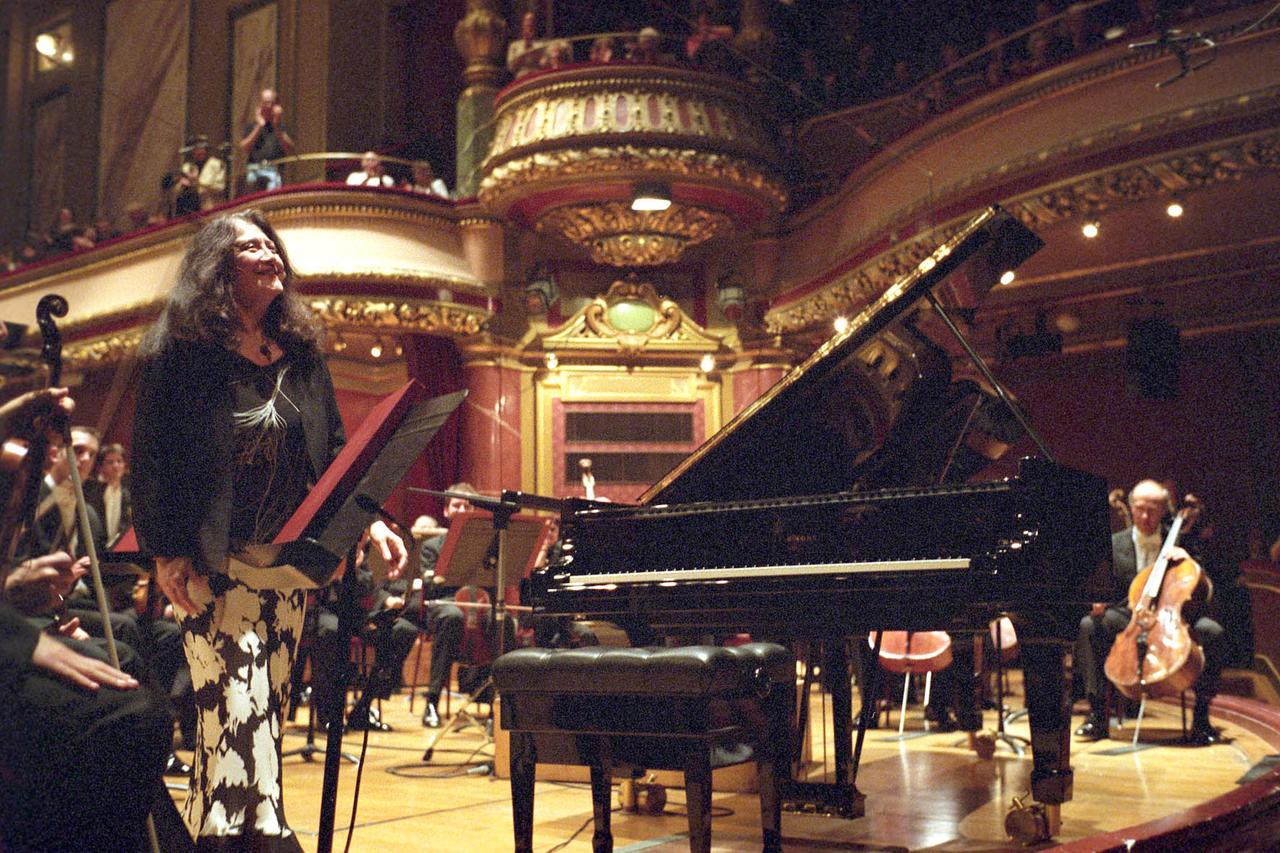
1155,655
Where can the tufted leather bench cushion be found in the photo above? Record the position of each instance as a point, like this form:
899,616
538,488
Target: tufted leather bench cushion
683,671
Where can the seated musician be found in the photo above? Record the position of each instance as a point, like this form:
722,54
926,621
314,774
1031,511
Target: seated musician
1133,549
432,609
390,636
83,743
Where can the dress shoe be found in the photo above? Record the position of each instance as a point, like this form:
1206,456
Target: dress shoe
175,766
1203,734
430,716
1094,728
368,721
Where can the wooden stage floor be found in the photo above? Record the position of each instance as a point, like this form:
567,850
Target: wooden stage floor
928,792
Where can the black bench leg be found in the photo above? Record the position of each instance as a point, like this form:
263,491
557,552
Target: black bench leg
770,806
602,805
697,788
523,764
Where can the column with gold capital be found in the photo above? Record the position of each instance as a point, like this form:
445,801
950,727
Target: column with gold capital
481,38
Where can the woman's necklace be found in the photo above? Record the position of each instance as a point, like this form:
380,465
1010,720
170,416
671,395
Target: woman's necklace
265,347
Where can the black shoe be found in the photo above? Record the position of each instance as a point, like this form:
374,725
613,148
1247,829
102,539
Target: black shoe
940,721
1203,734
430,716
368,721
175,766
1094,728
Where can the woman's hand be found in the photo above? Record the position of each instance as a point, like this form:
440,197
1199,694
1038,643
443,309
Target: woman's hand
390,546
173,574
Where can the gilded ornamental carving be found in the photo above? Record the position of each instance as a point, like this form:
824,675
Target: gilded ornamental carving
631,318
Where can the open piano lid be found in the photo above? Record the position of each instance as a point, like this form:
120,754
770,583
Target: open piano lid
817,429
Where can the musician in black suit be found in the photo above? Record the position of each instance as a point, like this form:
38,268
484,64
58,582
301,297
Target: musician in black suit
1133,549
108,494
83,743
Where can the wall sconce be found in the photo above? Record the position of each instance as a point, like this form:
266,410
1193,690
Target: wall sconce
552,361
731,296
651,197
540,290
707,363
54,49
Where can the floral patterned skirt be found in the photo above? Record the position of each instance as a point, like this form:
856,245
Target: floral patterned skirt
241,649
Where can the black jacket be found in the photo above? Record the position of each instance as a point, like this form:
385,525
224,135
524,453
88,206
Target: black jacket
184,446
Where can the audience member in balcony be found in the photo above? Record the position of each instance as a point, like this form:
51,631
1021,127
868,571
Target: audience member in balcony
425,182
602,49
32,250
815,90
903,77
265,139
524,54
706,45
65,235
647,48
7,261
105,230
371,173
137,215
558,54
997,67
864,80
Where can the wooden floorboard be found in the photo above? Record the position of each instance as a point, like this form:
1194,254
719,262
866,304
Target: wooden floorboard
926,793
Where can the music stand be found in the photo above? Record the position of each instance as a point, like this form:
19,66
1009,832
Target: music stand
468,558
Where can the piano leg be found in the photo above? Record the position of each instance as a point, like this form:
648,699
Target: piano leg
1049,709
524,759
842,796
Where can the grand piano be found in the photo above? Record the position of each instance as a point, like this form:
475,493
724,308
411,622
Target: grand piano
844,500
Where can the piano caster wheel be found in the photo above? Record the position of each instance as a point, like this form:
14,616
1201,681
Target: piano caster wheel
1031,823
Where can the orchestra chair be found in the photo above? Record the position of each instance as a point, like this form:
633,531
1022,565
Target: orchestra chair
618,710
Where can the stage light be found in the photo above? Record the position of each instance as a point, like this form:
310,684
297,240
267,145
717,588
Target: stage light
1090,229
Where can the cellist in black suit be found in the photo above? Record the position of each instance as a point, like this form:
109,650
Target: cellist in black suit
1133,549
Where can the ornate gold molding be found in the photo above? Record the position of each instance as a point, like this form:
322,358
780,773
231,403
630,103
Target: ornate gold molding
619,236
406,315
617,321
626,162
1184,171
102,351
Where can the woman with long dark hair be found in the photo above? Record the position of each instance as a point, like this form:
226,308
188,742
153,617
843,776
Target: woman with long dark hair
236,420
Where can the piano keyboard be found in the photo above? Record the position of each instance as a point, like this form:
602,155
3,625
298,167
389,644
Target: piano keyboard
729,572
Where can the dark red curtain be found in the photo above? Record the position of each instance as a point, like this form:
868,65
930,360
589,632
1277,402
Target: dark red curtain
436,363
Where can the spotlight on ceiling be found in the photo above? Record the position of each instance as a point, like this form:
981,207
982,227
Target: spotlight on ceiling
1174,209
1007,277
651,197
1090,229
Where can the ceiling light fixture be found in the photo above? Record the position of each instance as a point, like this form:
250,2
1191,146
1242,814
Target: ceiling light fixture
1007,277
1175,209
651,197
1090,229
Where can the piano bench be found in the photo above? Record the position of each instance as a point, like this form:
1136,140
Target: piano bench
694,708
